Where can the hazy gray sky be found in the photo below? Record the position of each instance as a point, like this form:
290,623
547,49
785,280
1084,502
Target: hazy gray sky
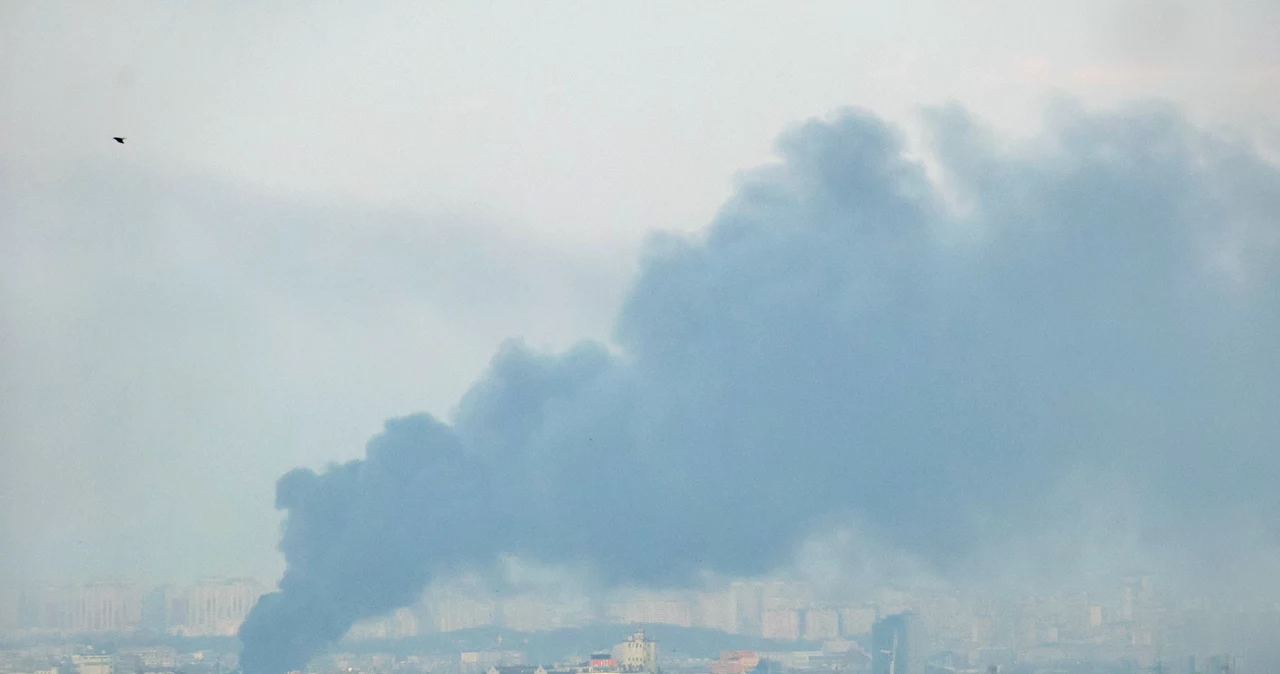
326,216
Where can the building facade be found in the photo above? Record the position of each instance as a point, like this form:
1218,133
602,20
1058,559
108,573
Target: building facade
898,645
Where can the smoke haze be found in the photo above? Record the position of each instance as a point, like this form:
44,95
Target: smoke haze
844,344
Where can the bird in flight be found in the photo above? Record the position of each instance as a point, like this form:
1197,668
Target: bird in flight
118,139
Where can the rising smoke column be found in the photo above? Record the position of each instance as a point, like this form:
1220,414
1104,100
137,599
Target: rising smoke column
366,536
840,343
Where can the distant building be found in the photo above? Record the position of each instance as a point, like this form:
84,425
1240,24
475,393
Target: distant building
792,660
717,611
213,607
637,654
516,669
735,662
602,662
782,625
477,662
1220,664
857,621
821,625
155,609
94,664
150,658
100,607
898,645
652,610
748,598
108,607
780,595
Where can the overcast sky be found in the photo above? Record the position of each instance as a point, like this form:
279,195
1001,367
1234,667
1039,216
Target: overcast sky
326,215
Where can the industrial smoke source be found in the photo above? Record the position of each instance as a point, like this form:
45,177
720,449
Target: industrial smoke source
845,342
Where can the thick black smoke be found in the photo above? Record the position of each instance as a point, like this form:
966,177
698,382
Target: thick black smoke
842,343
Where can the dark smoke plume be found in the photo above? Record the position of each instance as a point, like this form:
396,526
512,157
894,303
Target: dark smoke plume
842,343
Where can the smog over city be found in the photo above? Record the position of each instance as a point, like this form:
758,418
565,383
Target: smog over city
627,338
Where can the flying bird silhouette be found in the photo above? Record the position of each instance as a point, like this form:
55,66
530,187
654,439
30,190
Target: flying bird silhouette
118,139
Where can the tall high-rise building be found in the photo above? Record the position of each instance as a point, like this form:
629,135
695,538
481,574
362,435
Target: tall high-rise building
214,607
155,609
781,624
781,595
107,607
856,621
898,645
748,598
652,609
821,625
99,607
717,611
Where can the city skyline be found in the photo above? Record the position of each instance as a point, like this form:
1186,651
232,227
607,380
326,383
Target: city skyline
215,607
892,633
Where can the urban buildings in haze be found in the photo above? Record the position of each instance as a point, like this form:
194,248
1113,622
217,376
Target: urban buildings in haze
208,608
637,654
899,645
890,632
